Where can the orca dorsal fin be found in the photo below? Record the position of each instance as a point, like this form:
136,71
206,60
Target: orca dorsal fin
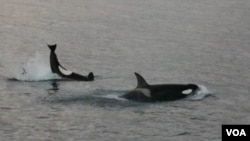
141,82
52,47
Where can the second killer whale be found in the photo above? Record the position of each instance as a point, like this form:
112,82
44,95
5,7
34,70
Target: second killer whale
57,68
145,92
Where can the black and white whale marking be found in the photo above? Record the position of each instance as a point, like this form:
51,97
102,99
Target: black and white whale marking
162,92
57,68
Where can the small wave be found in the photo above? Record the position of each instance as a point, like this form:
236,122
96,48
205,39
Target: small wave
109,95
201,93
37,68
114,96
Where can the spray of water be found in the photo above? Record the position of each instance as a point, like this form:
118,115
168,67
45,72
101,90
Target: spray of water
37,68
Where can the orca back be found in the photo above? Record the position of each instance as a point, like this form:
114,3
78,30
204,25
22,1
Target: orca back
159,92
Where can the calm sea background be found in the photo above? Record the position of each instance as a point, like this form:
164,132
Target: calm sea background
167,41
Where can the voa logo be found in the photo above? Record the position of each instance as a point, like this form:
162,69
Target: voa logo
236,132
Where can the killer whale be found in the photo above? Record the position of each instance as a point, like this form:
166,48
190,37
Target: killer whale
160,92
57,68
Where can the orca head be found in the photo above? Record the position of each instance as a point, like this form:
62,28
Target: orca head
141,93
52,47
91,76
190,89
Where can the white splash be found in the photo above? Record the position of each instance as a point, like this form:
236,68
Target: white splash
200,94
37,68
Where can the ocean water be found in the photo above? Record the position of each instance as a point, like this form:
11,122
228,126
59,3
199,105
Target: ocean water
175,41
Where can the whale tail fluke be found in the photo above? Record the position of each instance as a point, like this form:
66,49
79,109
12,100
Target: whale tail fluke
52,47
91,76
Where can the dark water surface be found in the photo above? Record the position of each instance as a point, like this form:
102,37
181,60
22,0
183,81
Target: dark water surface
167,41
